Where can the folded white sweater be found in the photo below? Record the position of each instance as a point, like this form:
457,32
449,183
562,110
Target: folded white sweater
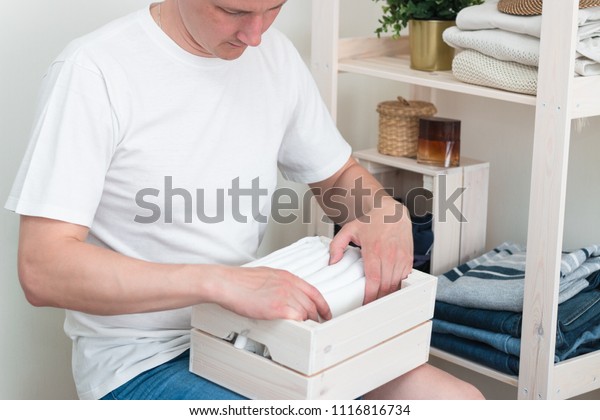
519,48
472,67
500,50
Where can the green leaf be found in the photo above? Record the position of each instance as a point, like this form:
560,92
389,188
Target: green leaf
397,13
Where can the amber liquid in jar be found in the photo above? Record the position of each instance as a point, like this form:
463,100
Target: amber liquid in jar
439,153
439,142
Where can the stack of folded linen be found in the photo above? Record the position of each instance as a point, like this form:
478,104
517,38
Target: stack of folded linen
501,50
479,307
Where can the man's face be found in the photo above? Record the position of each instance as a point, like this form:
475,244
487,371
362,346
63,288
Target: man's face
225,28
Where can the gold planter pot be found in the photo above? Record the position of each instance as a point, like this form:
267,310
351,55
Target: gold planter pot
428,51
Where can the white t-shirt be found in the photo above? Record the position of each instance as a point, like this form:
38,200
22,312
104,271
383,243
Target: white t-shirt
143,143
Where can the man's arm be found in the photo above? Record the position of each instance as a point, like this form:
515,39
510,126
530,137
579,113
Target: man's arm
372,219
58,268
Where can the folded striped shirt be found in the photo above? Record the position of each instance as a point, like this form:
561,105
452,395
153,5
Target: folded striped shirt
496,279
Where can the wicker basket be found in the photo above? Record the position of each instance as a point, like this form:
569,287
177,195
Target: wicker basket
399,126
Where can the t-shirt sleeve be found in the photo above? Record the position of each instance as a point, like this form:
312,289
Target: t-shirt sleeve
71,145
313,149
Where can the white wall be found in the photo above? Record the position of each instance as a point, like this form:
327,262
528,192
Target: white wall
35,354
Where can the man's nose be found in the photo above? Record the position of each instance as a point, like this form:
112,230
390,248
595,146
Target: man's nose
251,32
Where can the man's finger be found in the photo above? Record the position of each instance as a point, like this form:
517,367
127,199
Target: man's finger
338,245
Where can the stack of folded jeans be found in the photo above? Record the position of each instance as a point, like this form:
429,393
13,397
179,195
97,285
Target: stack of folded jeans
484,324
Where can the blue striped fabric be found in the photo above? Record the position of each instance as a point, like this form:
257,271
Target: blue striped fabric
495,280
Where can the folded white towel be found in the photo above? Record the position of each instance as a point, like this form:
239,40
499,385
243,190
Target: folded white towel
587,67
487,16
590,48
588,30
497,43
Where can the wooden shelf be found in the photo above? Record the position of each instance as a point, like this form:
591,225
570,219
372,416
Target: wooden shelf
475,367
388,59
409,164
561,97
398,69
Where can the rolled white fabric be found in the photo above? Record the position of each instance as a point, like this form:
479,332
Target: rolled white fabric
327,272
307,263
342,284
308,258
271,259
347,298
335,282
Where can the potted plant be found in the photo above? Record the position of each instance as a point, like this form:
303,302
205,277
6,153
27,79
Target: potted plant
426,20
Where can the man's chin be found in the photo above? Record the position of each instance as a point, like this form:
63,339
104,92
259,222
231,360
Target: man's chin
230,51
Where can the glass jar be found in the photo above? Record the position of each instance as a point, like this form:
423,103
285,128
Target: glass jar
439,142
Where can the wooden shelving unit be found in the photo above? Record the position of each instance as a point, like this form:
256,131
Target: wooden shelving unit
561,98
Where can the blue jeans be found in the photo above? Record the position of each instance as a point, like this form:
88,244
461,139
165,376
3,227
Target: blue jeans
579,311
171,381
578,327
477,352
502,342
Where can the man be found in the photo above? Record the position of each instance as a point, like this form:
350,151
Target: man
131,195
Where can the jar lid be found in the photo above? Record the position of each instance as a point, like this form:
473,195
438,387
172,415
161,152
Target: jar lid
439,129
403,108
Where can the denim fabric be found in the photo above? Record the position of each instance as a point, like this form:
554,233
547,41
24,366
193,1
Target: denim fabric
503,362
593,280
587,342
581,311
578,326
171,381
476,352
502,342
503,322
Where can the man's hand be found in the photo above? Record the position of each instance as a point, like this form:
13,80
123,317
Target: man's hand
385,237
268,293
372,219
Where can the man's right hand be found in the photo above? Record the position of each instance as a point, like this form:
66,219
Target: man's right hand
268,293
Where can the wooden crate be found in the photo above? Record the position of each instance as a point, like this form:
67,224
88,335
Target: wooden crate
339,359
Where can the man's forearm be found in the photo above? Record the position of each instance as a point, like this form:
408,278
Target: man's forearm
353,193
58,268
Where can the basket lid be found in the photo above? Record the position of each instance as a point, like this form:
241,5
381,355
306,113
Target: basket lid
534,7
403,108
